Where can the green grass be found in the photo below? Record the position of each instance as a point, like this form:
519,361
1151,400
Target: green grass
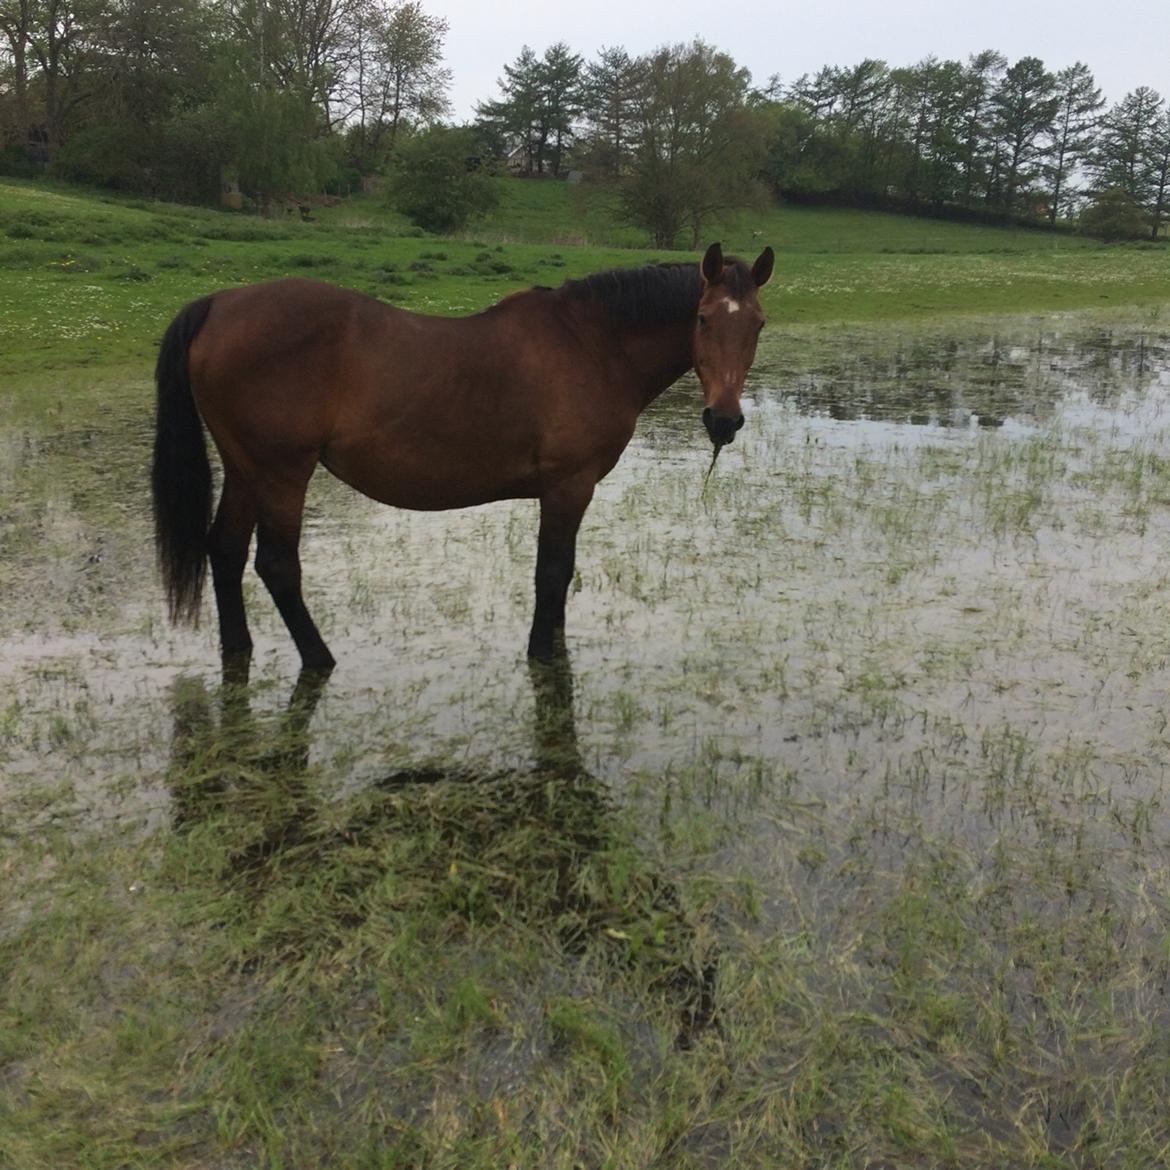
90,280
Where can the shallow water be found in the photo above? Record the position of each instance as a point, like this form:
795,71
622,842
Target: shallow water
924,592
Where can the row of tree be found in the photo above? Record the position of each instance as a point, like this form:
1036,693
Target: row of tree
171,96
982,138
181,97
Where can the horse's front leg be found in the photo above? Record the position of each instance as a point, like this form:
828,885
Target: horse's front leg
561,509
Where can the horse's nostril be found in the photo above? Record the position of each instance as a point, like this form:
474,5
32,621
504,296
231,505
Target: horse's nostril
739,423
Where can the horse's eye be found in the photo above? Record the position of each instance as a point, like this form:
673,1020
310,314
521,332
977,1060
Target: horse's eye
702,319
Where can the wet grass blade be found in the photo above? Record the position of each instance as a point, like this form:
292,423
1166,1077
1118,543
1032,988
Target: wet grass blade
714,455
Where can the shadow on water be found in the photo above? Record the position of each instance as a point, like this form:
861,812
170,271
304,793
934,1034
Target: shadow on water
543,845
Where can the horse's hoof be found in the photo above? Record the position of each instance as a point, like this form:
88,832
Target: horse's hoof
318,663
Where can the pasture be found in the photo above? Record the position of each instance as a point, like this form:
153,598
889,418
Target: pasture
839,840
90,282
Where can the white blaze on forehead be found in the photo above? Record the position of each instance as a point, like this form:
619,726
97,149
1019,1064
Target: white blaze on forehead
732,306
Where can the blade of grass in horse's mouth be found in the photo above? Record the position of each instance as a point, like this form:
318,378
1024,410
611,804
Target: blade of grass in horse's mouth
714,455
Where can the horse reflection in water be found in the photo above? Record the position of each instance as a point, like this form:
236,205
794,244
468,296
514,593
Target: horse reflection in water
252,776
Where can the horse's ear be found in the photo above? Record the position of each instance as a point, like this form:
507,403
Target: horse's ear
762,268
712,265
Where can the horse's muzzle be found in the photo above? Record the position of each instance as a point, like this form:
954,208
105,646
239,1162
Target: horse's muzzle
720,427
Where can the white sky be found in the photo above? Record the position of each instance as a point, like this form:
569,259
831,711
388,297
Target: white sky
1124,42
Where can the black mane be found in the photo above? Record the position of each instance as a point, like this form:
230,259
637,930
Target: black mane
656,294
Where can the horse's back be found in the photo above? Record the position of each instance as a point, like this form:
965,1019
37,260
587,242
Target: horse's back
272,363
268,330
413,410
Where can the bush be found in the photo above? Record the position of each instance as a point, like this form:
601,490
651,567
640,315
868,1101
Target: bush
1114,215
15,163
437,182
106,155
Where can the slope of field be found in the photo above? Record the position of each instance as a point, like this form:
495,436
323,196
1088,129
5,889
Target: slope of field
90,280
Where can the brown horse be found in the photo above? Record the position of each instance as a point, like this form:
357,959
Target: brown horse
535,397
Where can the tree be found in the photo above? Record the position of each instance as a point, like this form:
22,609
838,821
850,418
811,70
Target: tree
560,82
1023,106
16,22
437,180
516,118
278,145
1158,171
540,103
800,159
59,33
866,93
1079,102
700,147
804,156
977,153
849,107
610,93
1123,141
932,95
147,63
300,47
396,72
1133,153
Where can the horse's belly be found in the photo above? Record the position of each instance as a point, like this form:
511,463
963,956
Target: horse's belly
433,484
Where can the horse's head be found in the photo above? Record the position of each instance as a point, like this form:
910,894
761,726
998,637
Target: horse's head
726,331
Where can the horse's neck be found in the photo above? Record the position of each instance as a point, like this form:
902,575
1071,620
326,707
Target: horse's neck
659,356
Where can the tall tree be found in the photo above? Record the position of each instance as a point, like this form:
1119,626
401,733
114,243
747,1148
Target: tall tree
1079,102
1120,156
871,114
540,103
396,71
301,47
700,145
978,155
1158,172
146,64
58,43
817,95
560,84
1024,106
515,120
853,101
16,24
933,95
610,92
145,56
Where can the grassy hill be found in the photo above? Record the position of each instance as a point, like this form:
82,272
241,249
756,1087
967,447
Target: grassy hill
90,280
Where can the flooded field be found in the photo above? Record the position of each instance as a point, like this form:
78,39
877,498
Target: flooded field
878,719
921,544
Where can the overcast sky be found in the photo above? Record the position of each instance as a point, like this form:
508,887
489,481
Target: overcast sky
1124,42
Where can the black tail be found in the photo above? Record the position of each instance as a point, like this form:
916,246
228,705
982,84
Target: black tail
180,476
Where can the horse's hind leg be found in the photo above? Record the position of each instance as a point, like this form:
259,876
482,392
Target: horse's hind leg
227,549
279,565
